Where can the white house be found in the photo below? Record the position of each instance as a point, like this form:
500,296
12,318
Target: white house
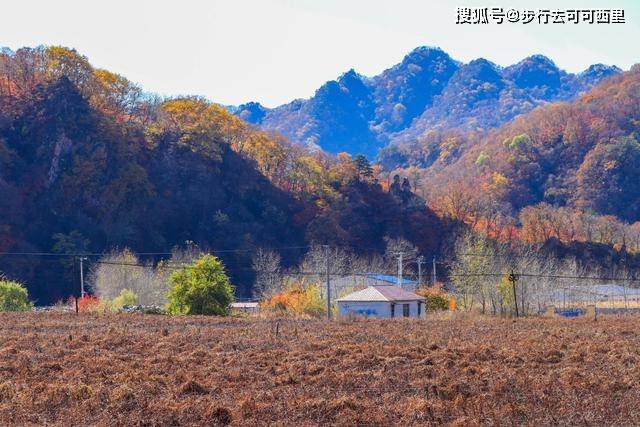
382,302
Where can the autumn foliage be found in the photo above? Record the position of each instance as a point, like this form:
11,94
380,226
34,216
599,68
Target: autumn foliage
90,163
564,170
298,298
436,298
89,304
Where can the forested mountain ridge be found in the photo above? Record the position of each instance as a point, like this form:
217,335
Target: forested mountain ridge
89,163
427,90
564,170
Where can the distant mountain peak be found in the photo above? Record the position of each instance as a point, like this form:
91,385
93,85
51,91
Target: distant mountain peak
477,72
351,78
350,74
426,90
600,67
535,71
534,62
540,59
423,56
421,51
251,112
600,71
483,68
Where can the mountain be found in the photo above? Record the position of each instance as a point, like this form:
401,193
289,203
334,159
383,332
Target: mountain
405,90
354,113
338,114
427,90
88,164
579,157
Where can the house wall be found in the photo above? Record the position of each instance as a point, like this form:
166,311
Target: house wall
377,309
413,309
249,310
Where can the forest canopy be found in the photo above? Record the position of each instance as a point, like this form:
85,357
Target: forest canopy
566,170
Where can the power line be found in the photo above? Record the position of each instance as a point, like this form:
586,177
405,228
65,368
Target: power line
312,273
78,254
548,276
368,274
277,273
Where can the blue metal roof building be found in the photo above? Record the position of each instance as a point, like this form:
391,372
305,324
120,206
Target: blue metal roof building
390,279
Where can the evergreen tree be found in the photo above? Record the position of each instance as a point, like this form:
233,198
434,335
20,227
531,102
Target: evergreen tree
363,166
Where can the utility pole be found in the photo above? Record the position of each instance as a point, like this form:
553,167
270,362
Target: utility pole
328,279
82,293
433,272
513,278
420,262
400,254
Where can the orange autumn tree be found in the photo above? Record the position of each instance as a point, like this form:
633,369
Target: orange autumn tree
298,298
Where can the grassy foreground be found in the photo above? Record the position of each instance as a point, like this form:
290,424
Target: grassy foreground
152,370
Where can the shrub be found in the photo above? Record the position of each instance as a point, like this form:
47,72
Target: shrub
89,304
437,303
436,298
14,297
200,288
298,299
126,298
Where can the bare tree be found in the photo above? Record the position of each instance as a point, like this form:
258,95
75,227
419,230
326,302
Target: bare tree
395,246
472,271
266,264
121,270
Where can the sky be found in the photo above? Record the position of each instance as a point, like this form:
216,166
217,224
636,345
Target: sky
273,51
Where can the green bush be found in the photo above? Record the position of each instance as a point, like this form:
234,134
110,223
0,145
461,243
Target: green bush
126,298
436,299
200,288
436,302
14,297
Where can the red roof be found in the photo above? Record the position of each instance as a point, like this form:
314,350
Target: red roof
396,293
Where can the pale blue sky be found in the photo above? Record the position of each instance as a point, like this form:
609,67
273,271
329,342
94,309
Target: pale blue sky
273,51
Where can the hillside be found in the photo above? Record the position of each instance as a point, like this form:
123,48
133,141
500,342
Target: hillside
427,90
89,163
580,156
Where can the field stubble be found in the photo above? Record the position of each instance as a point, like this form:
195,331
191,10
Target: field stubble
153,370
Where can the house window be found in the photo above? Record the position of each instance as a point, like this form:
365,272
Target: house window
419,309
405,310
393,310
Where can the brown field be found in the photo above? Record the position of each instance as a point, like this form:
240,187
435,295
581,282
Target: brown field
152,370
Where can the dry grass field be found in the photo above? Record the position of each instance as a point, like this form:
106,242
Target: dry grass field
65,369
